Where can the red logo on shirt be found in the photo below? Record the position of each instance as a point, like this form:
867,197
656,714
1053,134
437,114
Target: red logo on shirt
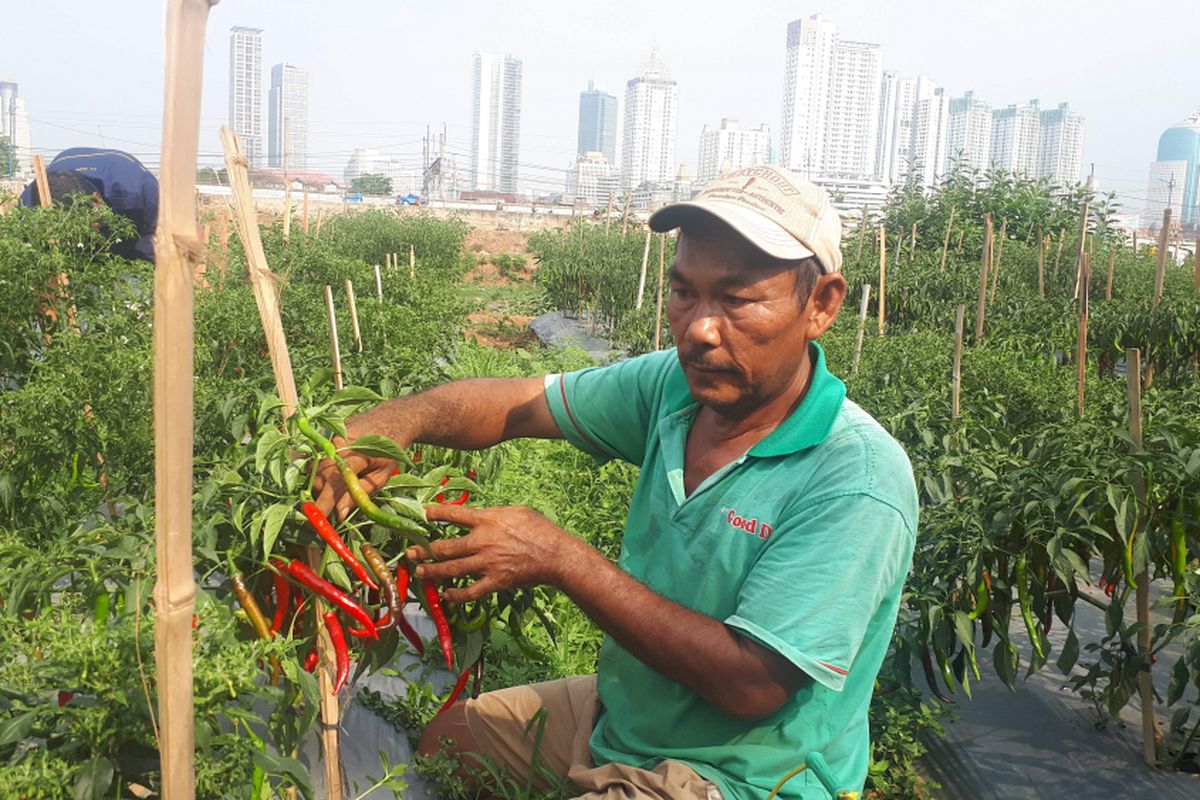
752,526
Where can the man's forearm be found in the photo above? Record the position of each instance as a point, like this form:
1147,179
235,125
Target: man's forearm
467,415
738,676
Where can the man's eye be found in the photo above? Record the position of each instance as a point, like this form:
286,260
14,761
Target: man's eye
734,300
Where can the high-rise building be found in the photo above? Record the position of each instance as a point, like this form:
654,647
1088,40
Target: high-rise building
831,102
597,123
1060,154
885,141
495,122
1175,175
14,128
930,138
287,117
901,104
593,179
969,132
731,147
245,90
807,84
1017,138
651,109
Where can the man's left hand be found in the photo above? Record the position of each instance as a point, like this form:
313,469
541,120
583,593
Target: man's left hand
505,548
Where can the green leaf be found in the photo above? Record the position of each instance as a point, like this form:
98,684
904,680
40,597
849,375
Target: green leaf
408,507
964,629
354,394
289,768
1069,654
94,778
15,729
376,446
273,519
1006,662
268,445
1179,680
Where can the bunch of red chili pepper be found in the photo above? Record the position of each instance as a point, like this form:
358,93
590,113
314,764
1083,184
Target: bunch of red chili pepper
375,575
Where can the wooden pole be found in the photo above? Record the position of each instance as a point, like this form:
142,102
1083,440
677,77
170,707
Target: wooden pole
320,217
1081,245
287,210
882,278
412,262
1041,265
662,262
862,233
625,214
177,253
43,186
956,381
946,240
642,276
899,248
961,235
608,214
266,294
354,329
1162,257
912,246
378,284
1112,263
1151,733
304,221
862,325
333,337
1085,274
999,251
1062,237
984,263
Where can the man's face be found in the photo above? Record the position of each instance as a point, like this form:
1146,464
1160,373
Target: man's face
740,329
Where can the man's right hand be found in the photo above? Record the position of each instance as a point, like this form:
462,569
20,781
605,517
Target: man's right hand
373,472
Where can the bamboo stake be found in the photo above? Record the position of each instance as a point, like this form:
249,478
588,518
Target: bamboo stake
320,217
304,221
984,263
912,248
1151,733
899,248
662,260
1042,264
996,259
387,261
625,214
43,186
333,337
177,253
882,278
412,262
642,276
378,284
1062,237
354,329
862,233
1112,263
946,240
1085,275
956,381
287,209
266,294
608,214
1161,272
862,326
1080,247
962,234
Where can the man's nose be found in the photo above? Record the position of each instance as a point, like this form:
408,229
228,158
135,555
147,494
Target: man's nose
705,327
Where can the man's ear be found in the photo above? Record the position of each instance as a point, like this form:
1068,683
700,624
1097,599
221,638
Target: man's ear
824,303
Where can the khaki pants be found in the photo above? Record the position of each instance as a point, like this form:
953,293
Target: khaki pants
498,722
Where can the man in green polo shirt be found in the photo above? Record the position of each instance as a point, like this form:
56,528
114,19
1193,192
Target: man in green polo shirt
767,540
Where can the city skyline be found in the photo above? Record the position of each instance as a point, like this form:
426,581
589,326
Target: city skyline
350,109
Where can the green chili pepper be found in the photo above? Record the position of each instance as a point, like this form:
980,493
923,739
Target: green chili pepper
258,620
1021,576
1179,562
408,529
1128,556
982,595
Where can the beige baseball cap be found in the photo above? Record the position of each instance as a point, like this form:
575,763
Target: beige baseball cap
777,211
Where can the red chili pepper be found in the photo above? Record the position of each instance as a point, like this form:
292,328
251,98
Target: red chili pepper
321,525
310,660
283,601
459,685
410,633
340,651
306,577
445,639
65,697
382,624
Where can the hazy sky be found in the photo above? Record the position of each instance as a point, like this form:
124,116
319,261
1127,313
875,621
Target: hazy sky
379,72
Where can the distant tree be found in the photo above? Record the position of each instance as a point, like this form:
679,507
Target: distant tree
8,157
371,184
208,175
